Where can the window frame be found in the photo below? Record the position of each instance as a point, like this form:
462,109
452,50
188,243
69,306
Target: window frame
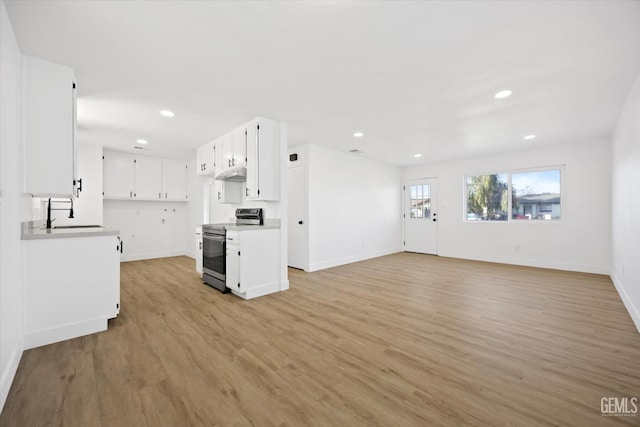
509,173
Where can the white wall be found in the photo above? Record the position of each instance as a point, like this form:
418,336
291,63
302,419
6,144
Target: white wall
354,207
149,229
579,242
14,207
625,193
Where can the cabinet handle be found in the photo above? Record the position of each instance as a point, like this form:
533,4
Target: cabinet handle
79,189
165,196
130,194
121,245
229,238
246,191
159,196
200,245
218,195
229,161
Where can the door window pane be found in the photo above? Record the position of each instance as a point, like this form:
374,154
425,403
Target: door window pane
536,195
487,197
420,201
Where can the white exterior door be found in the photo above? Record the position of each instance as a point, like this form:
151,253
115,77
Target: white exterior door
420,216
298,243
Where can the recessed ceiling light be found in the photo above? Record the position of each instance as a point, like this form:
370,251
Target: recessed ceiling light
529,137
167,113
503,94
417,155
142,141
358,134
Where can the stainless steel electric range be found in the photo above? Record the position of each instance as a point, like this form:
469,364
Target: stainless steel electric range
214,246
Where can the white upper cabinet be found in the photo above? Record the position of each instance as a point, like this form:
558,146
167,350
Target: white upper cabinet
49,126
205,161
174,178
263,160
233,155
148,184
227,192
239,158
218,156
144,178
119,175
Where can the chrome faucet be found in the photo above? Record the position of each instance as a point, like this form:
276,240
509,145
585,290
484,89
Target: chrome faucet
49,209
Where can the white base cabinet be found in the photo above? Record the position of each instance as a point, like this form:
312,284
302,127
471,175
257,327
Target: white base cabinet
253,262
72,287
199,251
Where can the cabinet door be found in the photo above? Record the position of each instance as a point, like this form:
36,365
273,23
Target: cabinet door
48,128
174,174
218,156
118,175
233,265
253,164
113,270
199,253
148,178
239,148
228,145
205,161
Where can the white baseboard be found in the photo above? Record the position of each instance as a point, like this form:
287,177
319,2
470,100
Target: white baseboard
284,285
64,332
150,255
259,291
634,312
10,372
348,260
582,268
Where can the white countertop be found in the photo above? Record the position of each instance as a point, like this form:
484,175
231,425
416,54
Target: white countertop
33,231
245,227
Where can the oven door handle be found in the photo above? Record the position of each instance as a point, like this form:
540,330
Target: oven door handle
214,237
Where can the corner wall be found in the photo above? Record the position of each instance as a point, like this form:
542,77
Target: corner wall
14,207
354,208
579,242
625,204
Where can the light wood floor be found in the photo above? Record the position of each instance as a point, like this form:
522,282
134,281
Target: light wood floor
404,340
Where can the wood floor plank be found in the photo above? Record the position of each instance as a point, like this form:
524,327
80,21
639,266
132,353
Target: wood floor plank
405,339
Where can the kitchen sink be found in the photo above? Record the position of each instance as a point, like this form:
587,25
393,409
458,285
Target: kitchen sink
78,226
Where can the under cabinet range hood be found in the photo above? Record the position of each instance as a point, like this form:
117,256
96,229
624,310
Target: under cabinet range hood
235,175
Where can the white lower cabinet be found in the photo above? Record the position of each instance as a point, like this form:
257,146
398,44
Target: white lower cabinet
72,287
253,262
199,252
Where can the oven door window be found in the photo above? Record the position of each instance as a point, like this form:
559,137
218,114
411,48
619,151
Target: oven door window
213,256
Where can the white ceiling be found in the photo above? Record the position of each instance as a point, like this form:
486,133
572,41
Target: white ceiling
415,77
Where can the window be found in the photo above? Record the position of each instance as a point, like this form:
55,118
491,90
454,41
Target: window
487,197
421,201
517,196
536,195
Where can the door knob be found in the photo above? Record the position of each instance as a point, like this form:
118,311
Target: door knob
300,222
434,220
